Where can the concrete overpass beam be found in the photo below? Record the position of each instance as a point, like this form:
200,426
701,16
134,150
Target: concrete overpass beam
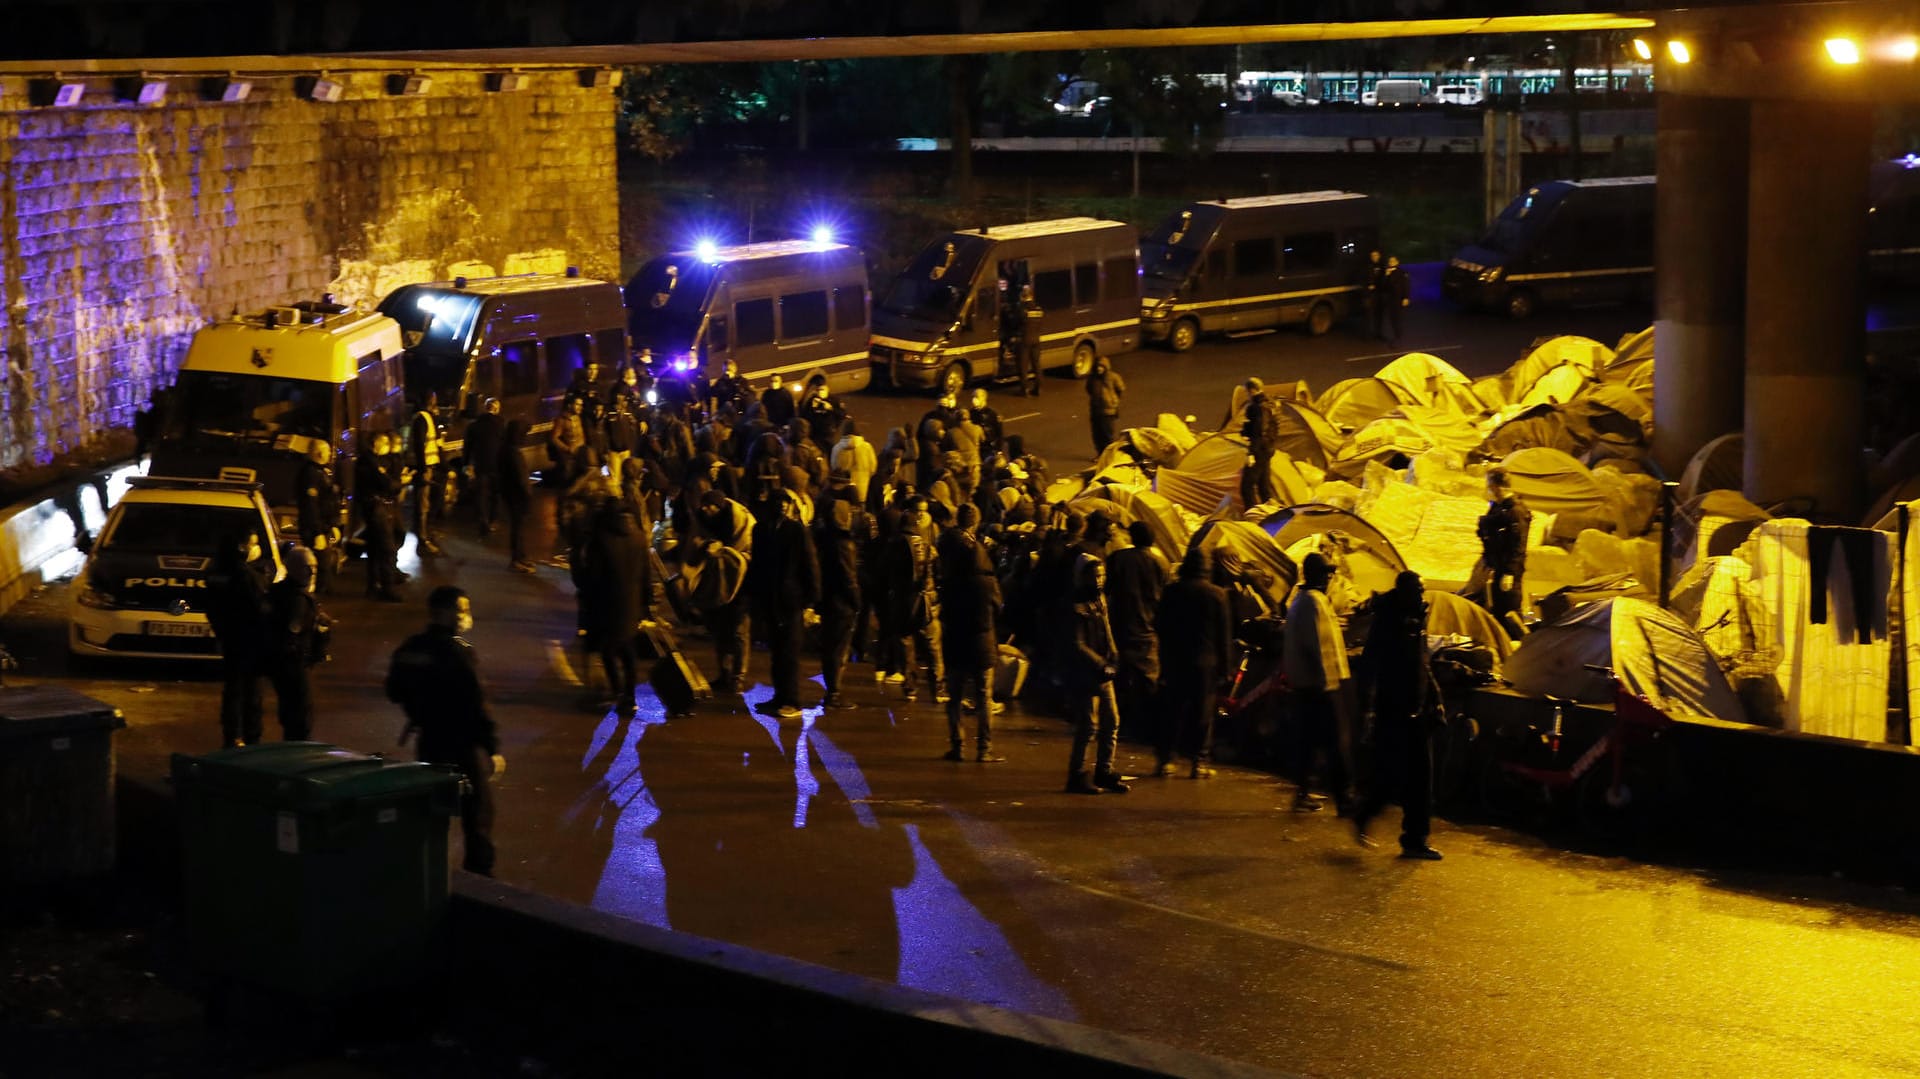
1806,307
1701,253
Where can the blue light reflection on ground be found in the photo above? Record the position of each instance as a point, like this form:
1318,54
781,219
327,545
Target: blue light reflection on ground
946,944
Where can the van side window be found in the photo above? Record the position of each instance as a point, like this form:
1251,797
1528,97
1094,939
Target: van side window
610,347
753,322
565,355
1086,284
519,371
717,334
1310,251
803,316
849,307
372,375
1053,290
1123,279
1254,258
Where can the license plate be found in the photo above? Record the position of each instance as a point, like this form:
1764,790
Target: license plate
179,629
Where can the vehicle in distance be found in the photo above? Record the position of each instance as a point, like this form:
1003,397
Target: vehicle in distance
144,589
1458,94
1561,243
1401,92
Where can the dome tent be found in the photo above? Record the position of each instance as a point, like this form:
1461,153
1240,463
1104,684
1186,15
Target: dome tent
1355,402
1370,559
1253,548
1432,382
1209,474
1653,652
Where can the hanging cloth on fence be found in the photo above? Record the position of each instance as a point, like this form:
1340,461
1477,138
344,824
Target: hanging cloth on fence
1850,573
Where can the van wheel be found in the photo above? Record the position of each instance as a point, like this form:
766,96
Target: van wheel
1521,304
1320,319
953,379
1184,335
1083,359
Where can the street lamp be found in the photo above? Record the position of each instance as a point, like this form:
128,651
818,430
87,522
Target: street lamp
1843,50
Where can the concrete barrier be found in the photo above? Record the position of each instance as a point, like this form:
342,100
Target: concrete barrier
36,538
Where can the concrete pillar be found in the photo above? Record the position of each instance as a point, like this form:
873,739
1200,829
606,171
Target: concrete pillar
1700,254
1806,306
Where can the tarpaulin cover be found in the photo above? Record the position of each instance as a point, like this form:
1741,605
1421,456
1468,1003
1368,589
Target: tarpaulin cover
1436,534
1355,402
1652,651
1449,615
1360,552
1433,382
1801,675
1251,545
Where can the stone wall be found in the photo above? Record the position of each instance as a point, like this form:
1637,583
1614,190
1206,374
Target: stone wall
123,228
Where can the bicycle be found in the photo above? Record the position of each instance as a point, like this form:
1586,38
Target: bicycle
1617,787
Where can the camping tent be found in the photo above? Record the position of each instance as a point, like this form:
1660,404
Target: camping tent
1541,425
1364,553
1652,651
1451,615
1209,474
1556,387
1266,564
1355,402
1136,503
1432,382
1545,356
1550,481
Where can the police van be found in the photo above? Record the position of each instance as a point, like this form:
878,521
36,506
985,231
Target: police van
143,591
794,308
1563,242
938,324
257,392
519,340
1256,263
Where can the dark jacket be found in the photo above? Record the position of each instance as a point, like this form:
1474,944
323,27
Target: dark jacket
776,406
435,679
839,527
1395,657
1091,657
784,577
1261,428
969,592
1503,535
1135,577
374,488
516,483
317,500
1104,390
618,577
483,440
293,624
237,609
1195,623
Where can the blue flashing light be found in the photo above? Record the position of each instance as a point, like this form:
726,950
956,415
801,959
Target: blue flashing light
822,234
706,249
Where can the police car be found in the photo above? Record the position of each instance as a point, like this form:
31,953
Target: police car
143,592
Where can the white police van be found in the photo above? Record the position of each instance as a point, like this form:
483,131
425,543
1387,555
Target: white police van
143,592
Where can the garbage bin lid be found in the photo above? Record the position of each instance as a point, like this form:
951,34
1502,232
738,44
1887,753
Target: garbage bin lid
308,775
36,711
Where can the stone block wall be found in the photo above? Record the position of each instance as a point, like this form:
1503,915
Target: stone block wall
124,228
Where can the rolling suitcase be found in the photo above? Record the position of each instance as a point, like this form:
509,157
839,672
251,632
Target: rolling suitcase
656,640
679,684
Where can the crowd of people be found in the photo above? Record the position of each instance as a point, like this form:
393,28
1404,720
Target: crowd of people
933,559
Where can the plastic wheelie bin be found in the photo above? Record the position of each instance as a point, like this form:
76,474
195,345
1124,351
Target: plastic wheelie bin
56,785
311,870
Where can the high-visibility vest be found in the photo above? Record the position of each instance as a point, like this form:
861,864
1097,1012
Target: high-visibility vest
429,439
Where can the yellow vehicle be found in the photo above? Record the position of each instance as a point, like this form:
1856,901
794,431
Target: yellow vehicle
257,391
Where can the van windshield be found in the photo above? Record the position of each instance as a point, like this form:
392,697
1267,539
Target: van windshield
213,405
666,301
935,284
1518,221
1171,249
444,320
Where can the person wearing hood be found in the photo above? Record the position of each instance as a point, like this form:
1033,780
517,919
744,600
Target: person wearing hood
1195,626
435,678
617,581
1091,663
969,603
840,528
236,610
1136,575
783,583
854,455
933,439
1105,388
1314,660
1401,687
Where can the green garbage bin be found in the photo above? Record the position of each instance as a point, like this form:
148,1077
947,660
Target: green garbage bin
56,785
312,870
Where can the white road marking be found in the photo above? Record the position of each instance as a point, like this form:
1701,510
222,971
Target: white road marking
1397,355
1022,416
563,667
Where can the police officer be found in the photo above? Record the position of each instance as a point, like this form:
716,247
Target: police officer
777,405
1503,547
424,460
237,612
375,491
295,627
317,507
481,453
1396,295
729,390
435,678
1404,697
1261,429
1030,319
993,433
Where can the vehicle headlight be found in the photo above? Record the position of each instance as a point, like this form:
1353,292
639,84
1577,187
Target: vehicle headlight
1493,273
92,597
